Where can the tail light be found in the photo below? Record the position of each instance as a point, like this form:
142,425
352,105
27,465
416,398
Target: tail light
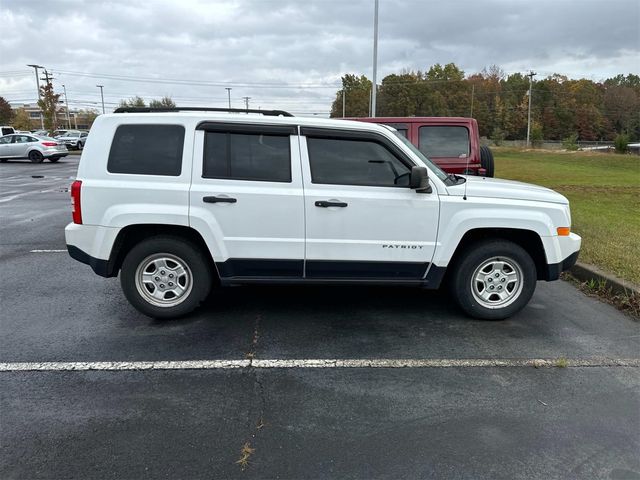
76,210
50,144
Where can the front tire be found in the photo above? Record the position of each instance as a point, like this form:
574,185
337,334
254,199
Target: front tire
165,277
493,279
80,146
35,156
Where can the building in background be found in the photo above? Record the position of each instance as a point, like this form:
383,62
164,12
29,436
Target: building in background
78,119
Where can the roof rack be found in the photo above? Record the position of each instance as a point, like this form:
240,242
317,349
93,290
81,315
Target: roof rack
271,113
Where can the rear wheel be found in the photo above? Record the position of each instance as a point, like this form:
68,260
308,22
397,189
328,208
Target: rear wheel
165,277
54,159
486,161
35,156
493,279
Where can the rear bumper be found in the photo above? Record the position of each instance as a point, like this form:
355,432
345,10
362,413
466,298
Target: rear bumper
92,245
101,267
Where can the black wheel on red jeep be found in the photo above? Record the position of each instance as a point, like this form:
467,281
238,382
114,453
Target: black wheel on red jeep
486,160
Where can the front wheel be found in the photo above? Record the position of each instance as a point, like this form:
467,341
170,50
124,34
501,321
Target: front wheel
35,156
493,279
165,277
80,146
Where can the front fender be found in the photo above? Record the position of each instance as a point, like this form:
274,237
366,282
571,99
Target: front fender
460,216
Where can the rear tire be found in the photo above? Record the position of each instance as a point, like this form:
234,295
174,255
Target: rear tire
165,277
35,156
486,161
54,159
493,279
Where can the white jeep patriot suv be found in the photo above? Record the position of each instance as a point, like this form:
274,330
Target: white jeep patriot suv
179,200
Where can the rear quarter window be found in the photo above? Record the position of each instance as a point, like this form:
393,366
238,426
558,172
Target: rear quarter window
444,141
147,150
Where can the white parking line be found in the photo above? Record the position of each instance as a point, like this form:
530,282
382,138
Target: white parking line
318,363
47,251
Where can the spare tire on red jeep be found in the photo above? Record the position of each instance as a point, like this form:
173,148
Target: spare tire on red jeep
486,160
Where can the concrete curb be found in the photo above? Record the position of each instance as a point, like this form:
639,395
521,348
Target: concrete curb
585,272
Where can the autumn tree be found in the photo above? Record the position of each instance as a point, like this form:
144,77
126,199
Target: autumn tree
133,102
48,104
6,113
560,107
164,102
21,120
357,91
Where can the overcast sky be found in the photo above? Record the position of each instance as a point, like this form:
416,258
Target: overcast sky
290,54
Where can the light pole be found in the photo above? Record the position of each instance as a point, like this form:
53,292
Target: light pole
531,74
375,59
101,95
36,67
344,102
228,89
66,101
246,102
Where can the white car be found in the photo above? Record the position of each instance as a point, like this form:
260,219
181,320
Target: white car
32,147
179,201
73,139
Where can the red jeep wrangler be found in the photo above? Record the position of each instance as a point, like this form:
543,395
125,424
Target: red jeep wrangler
451,142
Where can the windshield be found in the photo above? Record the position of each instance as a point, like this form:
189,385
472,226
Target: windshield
432,166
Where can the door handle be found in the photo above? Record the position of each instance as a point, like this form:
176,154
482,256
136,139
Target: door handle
327,204
215,199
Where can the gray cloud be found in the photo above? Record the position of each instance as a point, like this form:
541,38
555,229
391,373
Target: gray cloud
296,42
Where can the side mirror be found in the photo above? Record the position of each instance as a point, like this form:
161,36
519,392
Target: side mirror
420,180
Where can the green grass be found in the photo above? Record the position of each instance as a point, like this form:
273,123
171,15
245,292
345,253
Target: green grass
604,191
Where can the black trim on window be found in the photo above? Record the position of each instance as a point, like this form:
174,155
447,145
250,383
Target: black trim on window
263,129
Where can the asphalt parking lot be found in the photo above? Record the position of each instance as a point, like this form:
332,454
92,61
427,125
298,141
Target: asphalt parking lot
411,409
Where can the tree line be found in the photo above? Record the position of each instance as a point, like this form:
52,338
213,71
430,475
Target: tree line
561,108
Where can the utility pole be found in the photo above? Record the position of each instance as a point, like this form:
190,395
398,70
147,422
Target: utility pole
101,95
228,89
66,101
344,102
47,78
375,59
36,67
473,92
246,102
531,74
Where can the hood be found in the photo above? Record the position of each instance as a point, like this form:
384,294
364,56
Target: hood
506,189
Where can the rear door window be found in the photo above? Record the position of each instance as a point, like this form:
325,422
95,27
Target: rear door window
147,150
247,156
444,141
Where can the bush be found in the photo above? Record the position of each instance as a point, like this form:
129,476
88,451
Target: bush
497,135
571,142
536,135
621,142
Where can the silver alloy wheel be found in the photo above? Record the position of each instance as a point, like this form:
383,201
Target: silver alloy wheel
164,280
497,282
